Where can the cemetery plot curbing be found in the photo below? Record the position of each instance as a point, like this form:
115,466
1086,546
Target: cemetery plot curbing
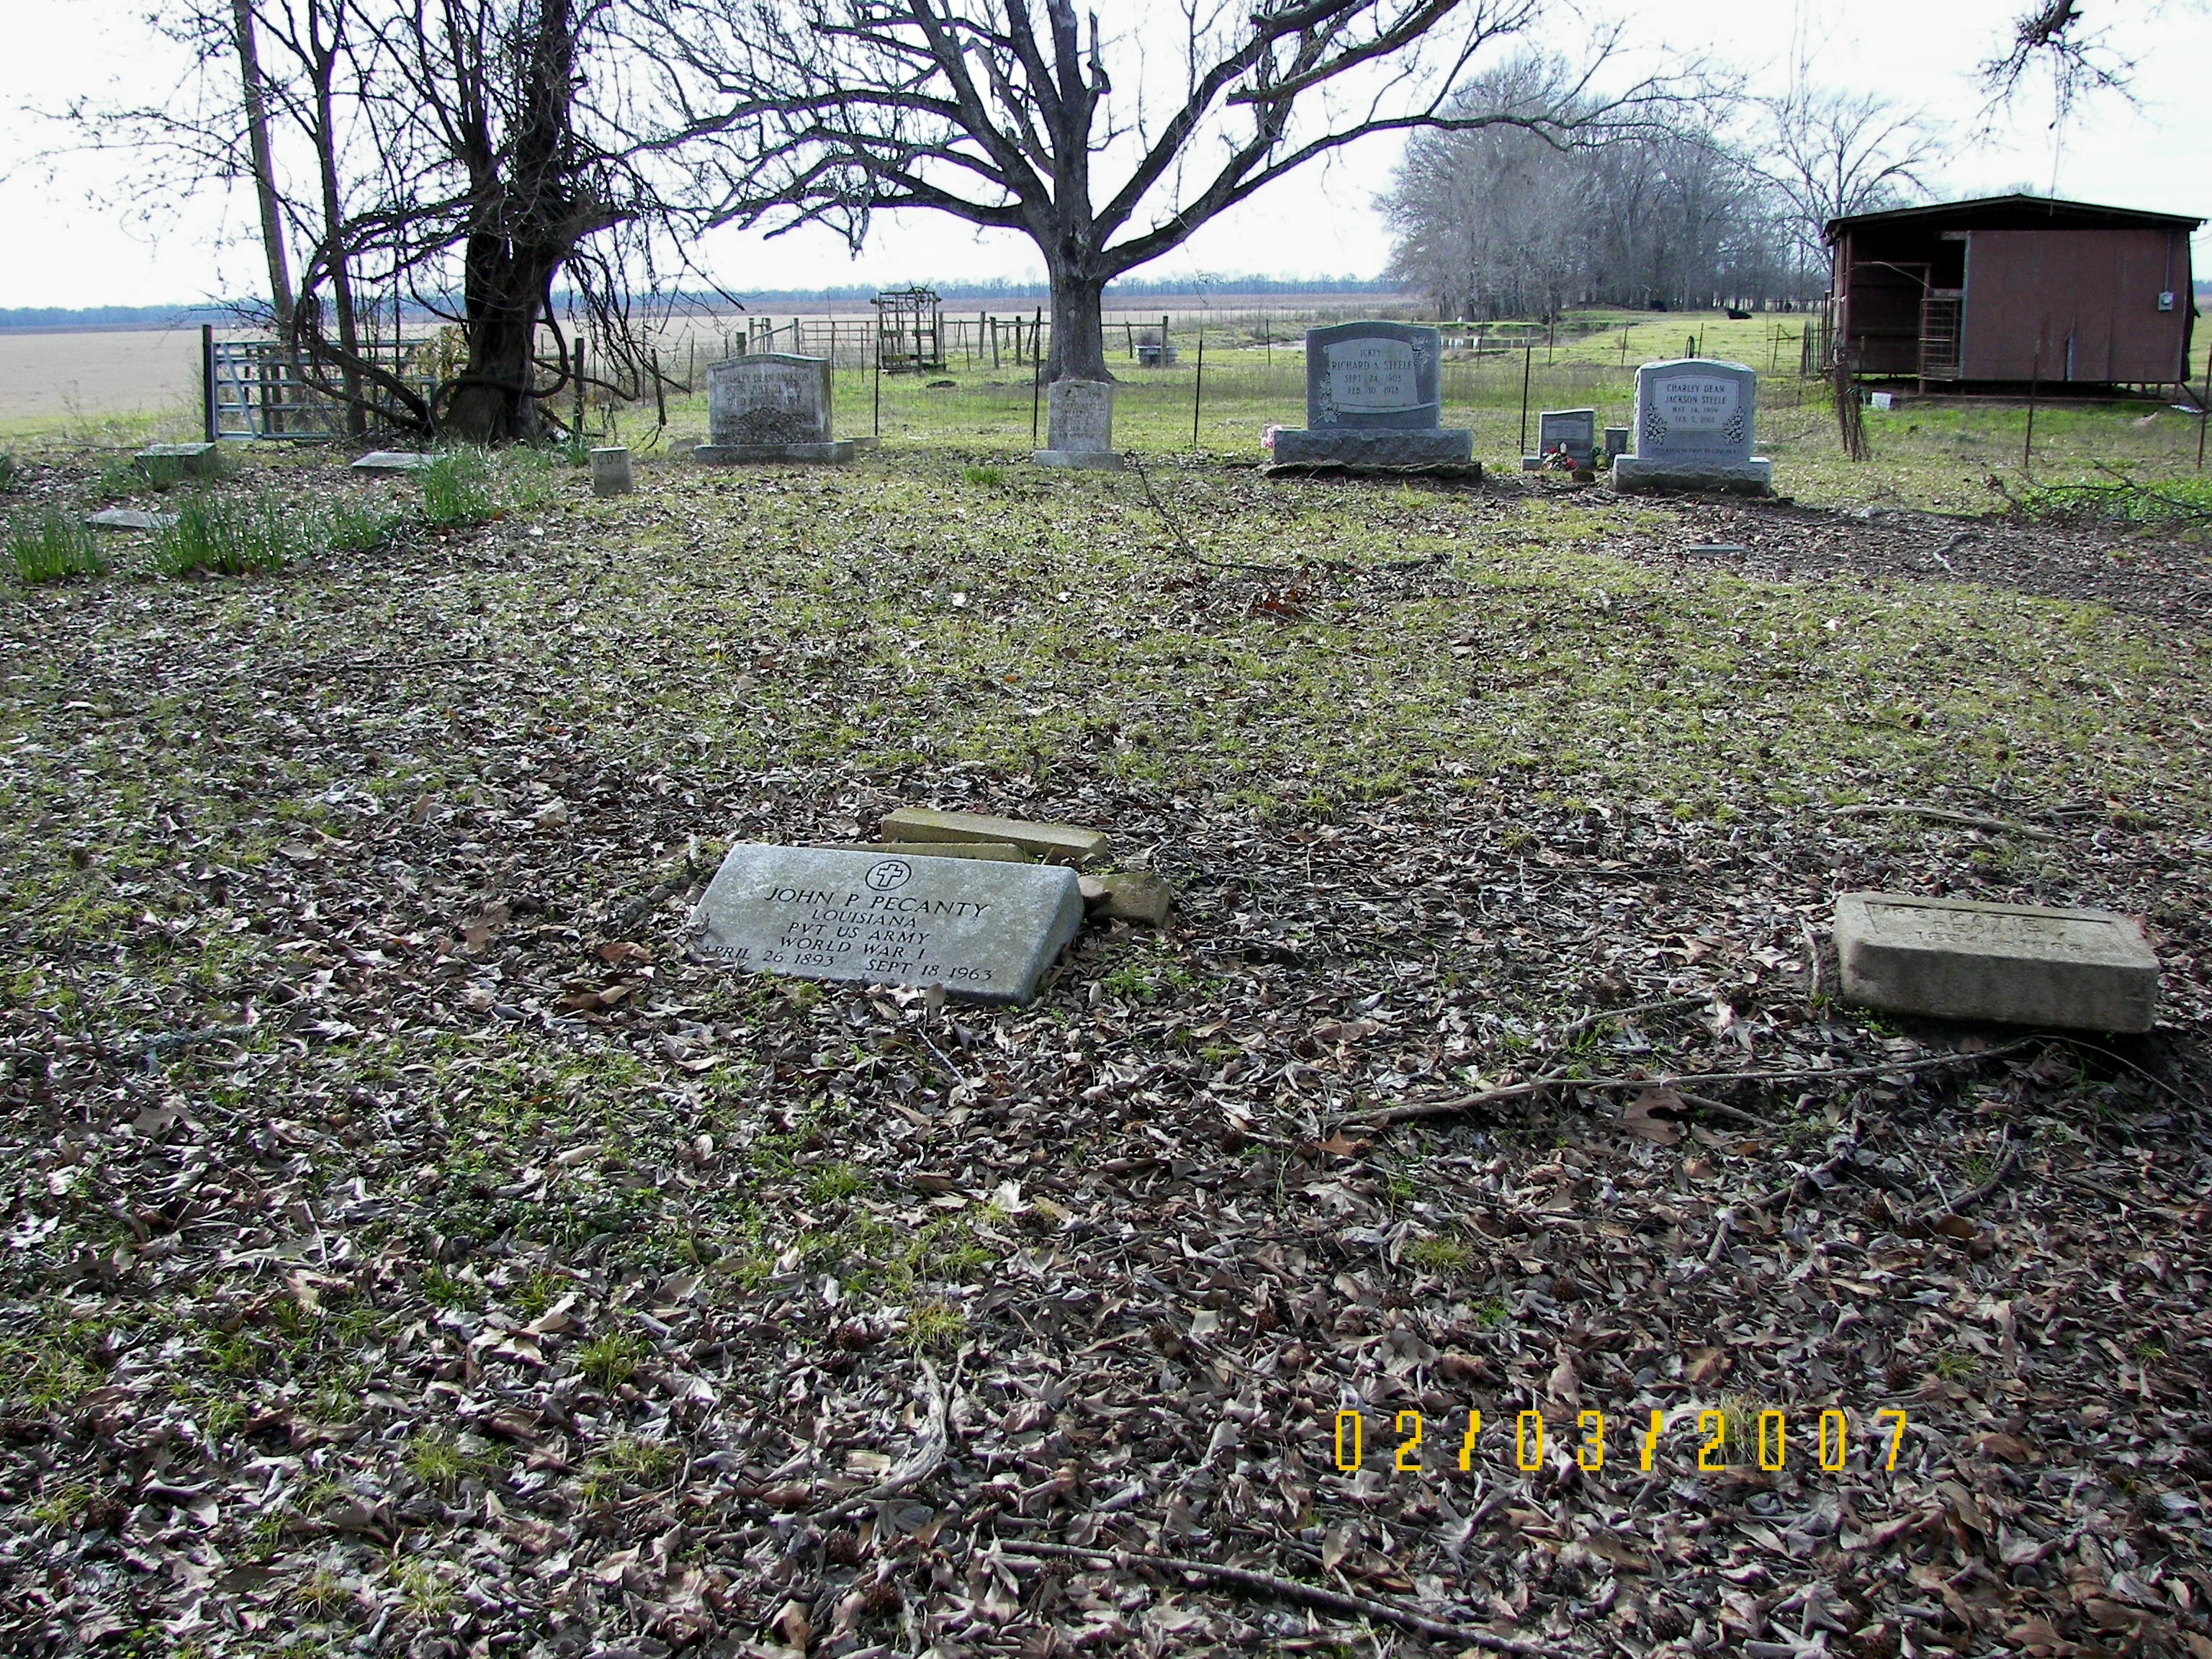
2021,964
982,930
167,463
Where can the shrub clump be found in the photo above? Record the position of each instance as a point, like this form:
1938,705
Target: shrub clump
457,490
232,536
54,547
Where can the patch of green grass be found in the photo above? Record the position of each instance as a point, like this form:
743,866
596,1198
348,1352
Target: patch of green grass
1446,1258
832,1184
54,546
457,490
935,1328
438,1459
1954,1364
354,525
231,536
987,477
610,1359
627,1462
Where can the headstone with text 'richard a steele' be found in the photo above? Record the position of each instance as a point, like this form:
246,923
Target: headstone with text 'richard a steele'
983,931
1373,400
769,406
1694,426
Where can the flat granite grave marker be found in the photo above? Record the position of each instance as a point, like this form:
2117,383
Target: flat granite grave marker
2021,964
393,460
1080,430
1372,401
1694,425
984,931
769,406
130,518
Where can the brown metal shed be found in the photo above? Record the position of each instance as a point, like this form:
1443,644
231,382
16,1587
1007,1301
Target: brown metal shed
2009,289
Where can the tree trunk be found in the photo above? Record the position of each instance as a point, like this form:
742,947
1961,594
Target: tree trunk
1078,332
264,170
326,144
504,288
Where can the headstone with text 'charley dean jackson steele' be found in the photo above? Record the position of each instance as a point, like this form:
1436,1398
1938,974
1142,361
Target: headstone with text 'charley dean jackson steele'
1373,400
1694,430
983,931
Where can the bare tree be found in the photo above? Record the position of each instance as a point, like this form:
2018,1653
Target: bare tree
1017,114
1835,152
472,154
2053,37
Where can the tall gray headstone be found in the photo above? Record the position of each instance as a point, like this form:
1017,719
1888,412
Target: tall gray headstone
769,406
1079,428
1373,400
1696,418
982,930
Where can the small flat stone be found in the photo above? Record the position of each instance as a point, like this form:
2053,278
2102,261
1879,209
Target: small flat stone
2019,964
1136,896
130,518
393,460
986,931
1055,844
992,852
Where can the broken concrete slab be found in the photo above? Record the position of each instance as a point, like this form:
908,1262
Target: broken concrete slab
1054,843
1130,896
986,931
2021,964
130,518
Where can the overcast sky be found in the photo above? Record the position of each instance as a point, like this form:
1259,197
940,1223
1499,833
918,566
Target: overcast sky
63,249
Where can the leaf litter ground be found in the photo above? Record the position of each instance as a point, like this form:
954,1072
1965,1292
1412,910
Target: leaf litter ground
410,1251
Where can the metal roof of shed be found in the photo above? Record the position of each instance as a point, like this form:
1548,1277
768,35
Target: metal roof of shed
2017,212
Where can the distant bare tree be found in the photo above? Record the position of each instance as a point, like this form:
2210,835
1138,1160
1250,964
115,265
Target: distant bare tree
2053,38
1835,152
1005,113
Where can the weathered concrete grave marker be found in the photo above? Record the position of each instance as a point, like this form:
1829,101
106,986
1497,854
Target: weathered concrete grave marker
2022,964
1373,400
984,931
393,460
1694,426
130,518
610,472
1080,430
769,406
165,464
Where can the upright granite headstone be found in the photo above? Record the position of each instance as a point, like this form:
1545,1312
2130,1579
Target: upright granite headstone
1080,430
982,930
1574,430
610,472
2023,964
1695,420
1373,400
769,406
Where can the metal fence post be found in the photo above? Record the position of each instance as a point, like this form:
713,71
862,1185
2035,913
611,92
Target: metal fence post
207,380
1527,367
1198,387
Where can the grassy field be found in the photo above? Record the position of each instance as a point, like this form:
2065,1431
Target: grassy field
410,1246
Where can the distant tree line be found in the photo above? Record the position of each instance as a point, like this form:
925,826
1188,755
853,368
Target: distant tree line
1717,202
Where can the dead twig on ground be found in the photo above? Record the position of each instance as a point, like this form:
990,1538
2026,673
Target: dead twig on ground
1967,1199
1606,1085
927,1458
1941,815
1668,1005
1286,1589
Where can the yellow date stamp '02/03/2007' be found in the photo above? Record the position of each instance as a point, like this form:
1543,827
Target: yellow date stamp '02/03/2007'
1722,1437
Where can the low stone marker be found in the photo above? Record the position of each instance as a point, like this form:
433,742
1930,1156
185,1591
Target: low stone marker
1574,430
1055,843
994,852
769,406
1372,403
1695,418
2021,964
610,473
1080,428
982,930
130,518
165,464
393,460
1616,443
